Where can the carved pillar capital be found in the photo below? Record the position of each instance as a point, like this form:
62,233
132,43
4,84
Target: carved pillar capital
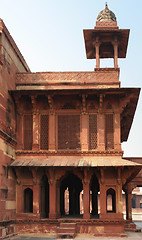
51,104
34,105
18,175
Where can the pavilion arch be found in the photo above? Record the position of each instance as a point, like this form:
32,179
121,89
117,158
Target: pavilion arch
28,200
73,184
95,188
111,200
44,197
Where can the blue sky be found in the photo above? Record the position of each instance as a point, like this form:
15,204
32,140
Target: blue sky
49,34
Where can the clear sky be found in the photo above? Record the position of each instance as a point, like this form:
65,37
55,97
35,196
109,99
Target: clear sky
49,34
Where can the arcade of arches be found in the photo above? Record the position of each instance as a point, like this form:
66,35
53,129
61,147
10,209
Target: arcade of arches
82,193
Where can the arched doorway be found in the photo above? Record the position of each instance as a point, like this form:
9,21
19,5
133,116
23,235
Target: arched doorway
74,186
95,188
111,200
44,197
28,200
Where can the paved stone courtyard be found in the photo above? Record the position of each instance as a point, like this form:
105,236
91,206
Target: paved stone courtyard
130,236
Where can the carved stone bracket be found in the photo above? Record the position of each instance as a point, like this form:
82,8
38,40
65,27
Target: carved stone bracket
87,176
34,174
18,175
101,103
51,104
125,101
84,105
33,100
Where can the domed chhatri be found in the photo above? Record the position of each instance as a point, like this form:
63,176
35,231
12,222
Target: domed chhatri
106,15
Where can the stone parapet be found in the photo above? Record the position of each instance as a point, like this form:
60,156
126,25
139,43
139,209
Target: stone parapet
100,78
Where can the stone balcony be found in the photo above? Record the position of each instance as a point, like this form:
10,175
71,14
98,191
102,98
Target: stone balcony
101,78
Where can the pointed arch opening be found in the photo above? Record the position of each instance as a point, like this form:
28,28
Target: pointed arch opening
28,200
111,200
70,189
44,197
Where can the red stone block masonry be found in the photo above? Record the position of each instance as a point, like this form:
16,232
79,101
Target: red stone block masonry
61,135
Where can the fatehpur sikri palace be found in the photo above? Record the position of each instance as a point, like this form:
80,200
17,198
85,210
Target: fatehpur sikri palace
62,169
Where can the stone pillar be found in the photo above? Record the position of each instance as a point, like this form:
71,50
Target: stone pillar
19,192
119,201
52,127
97,46
36,198
117,130
129,203
115,45
101,132
102,200
52,200
84,132
35,145
86,194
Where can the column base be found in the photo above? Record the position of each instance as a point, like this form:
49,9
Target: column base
86,216
53,216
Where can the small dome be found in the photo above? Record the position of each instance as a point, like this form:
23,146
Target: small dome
106,15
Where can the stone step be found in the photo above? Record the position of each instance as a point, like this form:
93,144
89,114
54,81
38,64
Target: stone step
66,230
68,225
130,225
132,229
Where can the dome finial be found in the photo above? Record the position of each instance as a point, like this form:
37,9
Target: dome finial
106,7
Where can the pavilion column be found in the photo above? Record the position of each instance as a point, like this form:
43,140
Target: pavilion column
36,198
103,201
86,195
19,192
84,132
97,47
52,127
35,192
35,145
117,137
115,45
101,132
119,200
52,199
129,203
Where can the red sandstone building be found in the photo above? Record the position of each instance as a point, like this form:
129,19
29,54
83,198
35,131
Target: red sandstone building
62,132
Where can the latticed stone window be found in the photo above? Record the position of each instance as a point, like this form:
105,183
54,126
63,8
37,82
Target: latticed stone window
44,125
28,132
109,131
69,132
92,131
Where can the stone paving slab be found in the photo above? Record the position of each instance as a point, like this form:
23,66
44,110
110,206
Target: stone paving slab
130,236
